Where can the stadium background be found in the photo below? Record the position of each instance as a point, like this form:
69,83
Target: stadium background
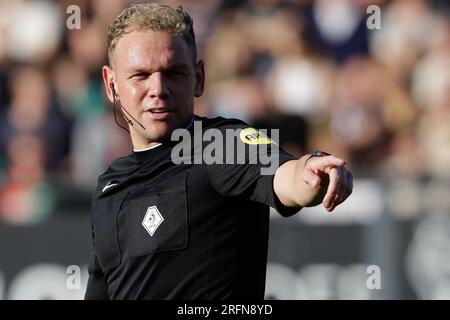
379,98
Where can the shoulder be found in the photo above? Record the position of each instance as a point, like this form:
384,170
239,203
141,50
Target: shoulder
118,168
221,123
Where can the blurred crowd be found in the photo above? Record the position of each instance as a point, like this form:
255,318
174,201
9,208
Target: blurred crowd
313,69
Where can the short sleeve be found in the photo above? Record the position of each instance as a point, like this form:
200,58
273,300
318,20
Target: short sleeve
248,166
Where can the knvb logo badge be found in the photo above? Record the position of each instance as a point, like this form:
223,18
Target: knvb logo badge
152,220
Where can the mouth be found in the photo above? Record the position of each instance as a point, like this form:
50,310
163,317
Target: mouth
158,110
158,113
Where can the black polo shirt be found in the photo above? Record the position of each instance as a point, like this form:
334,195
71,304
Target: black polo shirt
165,230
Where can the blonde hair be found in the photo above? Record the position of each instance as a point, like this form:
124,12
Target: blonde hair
155,17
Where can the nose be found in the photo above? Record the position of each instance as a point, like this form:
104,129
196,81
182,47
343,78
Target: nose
158,87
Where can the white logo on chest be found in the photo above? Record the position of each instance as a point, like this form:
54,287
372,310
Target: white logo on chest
152,220
109,185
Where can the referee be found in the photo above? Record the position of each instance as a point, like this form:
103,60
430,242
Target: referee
165,229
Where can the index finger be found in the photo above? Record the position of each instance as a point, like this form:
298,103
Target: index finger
325,163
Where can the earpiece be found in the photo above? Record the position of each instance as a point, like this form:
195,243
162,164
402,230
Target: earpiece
112,86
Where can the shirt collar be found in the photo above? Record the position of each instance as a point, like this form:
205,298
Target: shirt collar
149,148
145,153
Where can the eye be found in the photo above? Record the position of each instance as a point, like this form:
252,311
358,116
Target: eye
139,75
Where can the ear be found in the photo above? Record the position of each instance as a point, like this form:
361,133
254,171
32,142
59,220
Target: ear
199,78
108,80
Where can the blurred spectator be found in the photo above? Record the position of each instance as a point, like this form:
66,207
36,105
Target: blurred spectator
356,114
87,48
33,111
299,85
406,26
32,30
338,28
25,195
96,143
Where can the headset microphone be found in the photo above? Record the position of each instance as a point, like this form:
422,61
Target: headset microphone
121,110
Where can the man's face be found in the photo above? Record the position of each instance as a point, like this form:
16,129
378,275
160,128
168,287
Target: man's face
156,81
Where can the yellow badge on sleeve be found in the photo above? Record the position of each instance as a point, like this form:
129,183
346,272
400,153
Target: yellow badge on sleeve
254,136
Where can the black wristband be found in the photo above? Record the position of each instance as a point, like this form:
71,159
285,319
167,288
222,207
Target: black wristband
317,153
